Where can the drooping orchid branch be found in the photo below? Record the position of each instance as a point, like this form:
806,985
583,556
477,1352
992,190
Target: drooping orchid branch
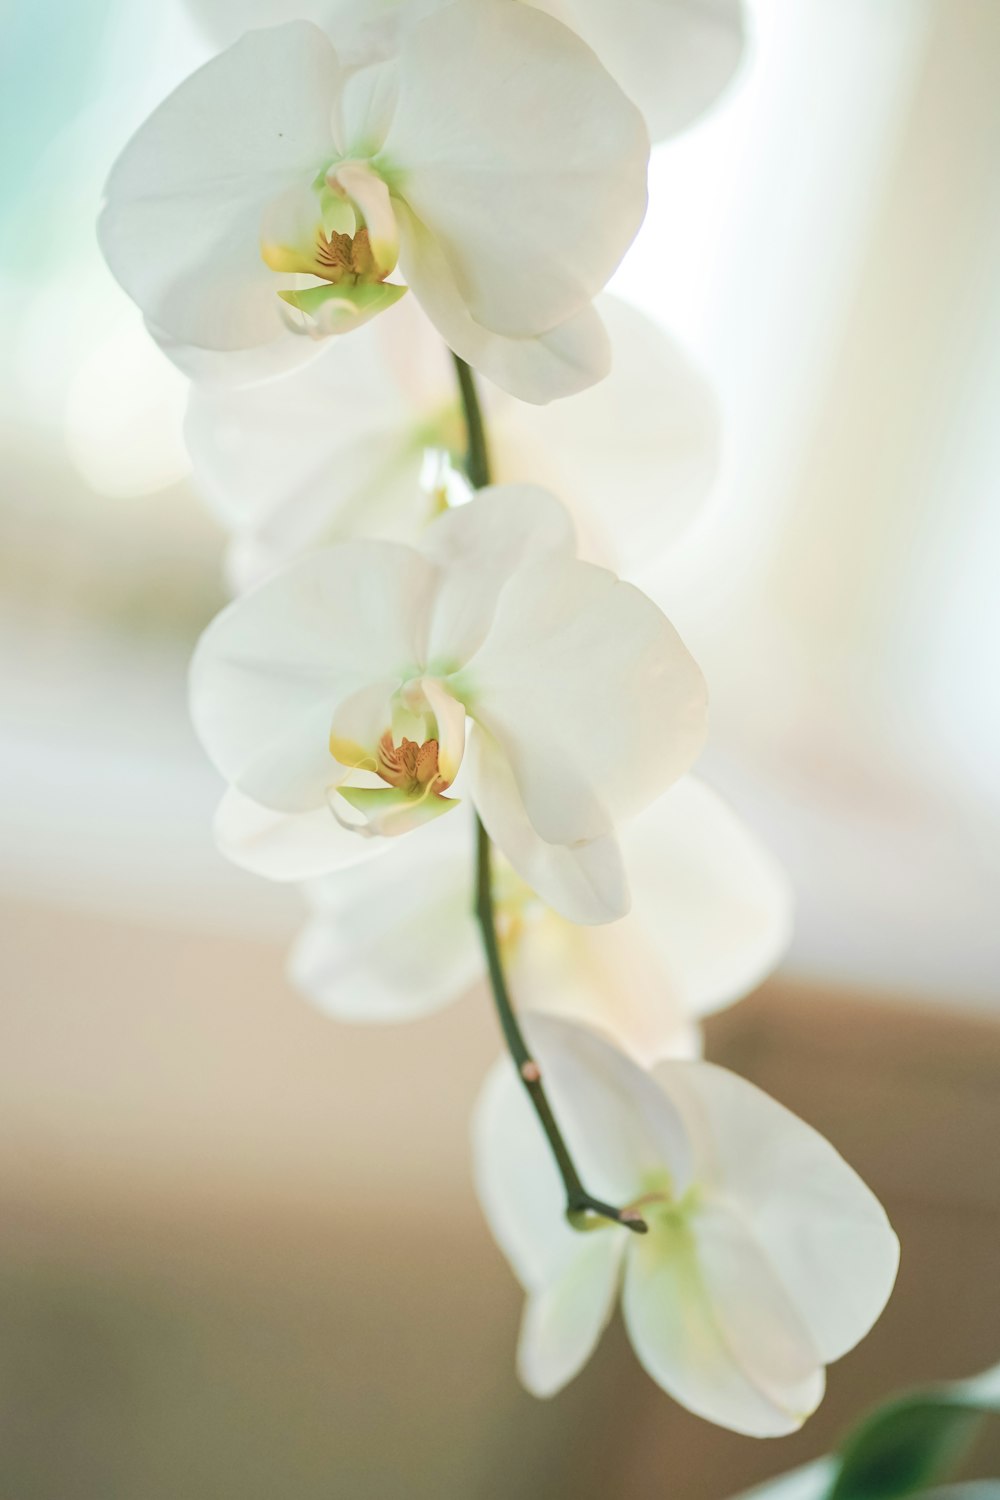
582,1208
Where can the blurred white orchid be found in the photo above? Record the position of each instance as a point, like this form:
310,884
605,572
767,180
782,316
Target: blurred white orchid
491,156
766,1256
672,57
337,449
333,698
711,916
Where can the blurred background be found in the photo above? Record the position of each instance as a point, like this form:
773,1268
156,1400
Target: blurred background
240,1254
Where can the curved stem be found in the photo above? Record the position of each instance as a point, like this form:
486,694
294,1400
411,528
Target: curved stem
582,1209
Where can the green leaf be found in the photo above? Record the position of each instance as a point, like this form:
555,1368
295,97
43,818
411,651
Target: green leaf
901,1448
912,1441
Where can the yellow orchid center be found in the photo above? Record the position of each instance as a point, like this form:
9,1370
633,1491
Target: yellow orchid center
413,767
342,231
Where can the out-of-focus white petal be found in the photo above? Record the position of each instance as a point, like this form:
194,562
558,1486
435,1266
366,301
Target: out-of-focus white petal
823,1231
225,21
710,917
604,976
584,882
590,692
271,668
539,368
516,150
672,57
714,905
634,456
287,846
361,29
394,940
811,1482
312,444
182,218
678,1339
332,450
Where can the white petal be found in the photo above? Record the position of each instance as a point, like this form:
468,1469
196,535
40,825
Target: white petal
635,456
757,1318
537,195
505,526
363,29
272,667
366,107
224,21
615,1122
607,977
537,368
288,846
714,906
584,882
677,1338
591,694
672,57
619,1123
182,219
478,546
357,723
710,917
329,451
517,1181
812,1482
449,716
570,1278
563,1321
394,939
231,369
822,1230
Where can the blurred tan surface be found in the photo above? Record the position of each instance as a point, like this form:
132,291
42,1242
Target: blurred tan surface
242,1257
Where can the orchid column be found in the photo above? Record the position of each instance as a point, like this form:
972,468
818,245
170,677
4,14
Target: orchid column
426,665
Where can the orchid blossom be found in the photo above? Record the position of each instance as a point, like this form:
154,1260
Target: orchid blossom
334,696
490,158
765,1256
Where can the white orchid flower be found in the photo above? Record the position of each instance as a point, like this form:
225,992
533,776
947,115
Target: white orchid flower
711,916
491,158
766,1256
334,697
338,448
672,57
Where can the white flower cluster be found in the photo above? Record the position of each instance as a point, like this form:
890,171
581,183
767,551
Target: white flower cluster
428,656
